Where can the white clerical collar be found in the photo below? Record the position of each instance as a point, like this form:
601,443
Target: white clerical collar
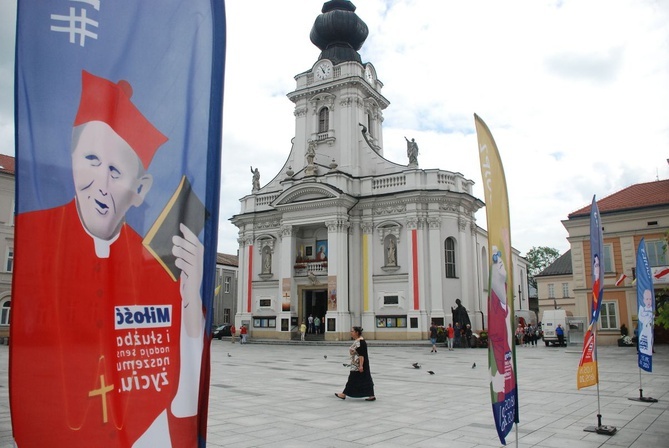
102,247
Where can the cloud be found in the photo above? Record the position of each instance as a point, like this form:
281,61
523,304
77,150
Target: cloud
576,95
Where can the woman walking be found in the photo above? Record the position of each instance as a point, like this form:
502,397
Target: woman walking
359,382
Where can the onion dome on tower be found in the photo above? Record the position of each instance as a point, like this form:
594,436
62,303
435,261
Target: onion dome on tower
339,32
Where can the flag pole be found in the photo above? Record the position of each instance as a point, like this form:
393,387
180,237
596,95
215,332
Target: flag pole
641,397
646,303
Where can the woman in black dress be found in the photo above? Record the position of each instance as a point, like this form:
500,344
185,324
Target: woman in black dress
359,382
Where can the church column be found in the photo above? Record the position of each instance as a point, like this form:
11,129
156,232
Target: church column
367,305
436,305
245,280
338,292
289,302
416,309
464,270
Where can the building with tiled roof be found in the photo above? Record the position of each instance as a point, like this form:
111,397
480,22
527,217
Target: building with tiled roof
7,190
636,212
225,292
555,285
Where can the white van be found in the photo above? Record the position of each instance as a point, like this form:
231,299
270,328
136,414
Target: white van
549,322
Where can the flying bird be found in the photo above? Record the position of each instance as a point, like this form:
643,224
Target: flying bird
474,366
416,365
430,372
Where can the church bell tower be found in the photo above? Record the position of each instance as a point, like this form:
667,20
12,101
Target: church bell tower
338,102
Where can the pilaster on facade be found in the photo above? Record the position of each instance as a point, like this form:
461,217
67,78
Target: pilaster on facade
433,253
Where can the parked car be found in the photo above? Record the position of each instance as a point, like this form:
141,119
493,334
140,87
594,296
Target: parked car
220,331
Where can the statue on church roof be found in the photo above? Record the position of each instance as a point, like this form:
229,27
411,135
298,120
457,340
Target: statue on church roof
256,178
412,151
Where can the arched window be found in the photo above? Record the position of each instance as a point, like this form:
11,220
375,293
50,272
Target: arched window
4,312
449,257
323,120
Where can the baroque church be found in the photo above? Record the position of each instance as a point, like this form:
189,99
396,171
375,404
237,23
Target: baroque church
346,236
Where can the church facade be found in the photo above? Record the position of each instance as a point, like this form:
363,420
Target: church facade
346,236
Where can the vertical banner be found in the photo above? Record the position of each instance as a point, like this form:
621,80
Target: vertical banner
588,374
118,131
645,296
501,350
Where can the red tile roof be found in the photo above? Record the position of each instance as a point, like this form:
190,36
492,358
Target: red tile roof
638,196
6,164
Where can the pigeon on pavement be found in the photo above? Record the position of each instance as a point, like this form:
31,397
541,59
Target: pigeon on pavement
416,365
474,366
430,372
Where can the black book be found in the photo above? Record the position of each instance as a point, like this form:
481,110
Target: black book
183,207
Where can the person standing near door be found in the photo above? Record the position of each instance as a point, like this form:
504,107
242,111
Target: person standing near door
317,325
303,330
310,320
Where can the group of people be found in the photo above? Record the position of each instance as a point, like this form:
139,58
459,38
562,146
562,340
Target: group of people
455,336
243,332
314,325
528,334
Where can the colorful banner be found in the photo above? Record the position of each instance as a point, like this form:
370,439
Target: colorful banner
501,350
118,131
588,374
645,297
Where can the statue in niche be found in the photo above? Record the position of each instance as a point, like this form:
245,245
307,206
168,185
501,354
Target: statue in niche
391,258
267,261
256,178
311,153
412,151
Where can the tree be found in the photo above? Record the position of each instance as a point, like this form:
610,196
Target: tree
662,297
538,259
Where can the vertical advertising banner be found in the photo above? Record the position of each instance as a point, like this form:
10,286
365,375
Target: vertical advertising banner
645,294
587,373
118,131
501,350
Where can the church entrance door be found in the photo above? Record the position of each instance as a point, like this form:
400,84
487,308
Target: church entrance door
314,303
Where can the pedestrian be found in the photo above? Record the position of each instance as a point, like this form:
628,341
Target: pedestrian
458,334
559,332
468,336
451,335
310,322
533,335
360,383
520,332
242,332
433,337
323,324
303,329
232,333
317,325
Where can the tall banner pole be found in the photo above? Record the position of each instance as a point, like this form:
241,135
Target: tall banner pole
118,142
501,349
645,293
588,371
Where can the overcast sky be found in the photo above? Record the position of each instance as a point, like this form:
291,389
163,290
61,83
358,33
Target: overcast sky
575,93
